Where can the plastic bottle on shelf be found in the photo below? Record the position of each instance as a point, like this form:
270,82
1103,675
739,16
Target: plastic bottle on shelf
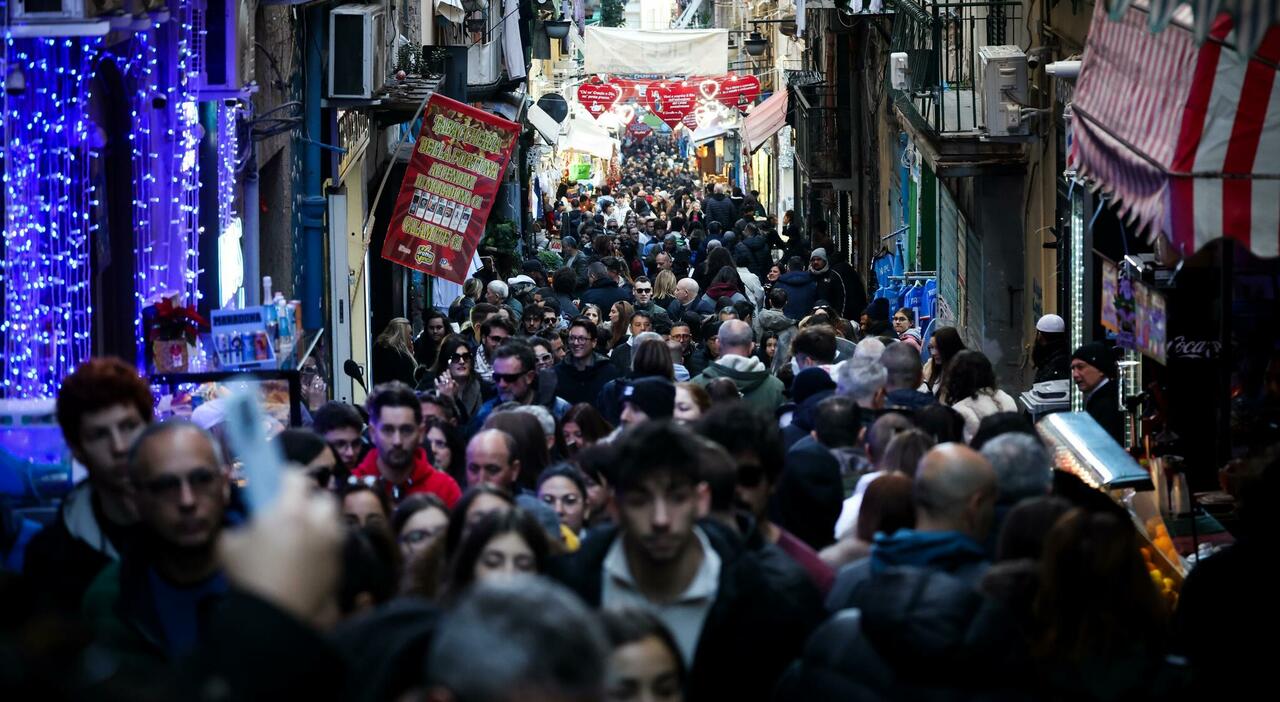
269,309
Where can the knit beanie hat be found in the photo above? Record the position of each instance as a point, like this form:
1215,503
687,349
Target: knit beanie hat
820,253
878,310
1098,355
810,381
656,397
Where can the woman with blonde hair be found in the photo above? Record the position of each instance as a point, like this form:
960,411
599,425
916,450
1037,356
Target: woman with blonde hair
664,289
393,354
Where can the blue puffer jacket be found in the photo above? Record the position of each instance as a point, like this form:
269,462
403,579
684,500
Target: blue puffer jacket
802,292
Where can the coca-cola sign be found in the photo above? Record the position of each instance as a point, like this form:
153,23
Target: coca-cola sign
1180,347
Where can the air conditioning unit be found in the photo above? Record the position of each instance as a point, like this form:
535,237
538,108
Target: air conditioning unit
46,10
227,47
357,51
1002,90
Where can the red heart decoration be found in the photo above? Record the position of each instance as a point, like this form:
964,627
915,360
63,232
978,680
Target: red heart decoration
739,91
672,101
598,97
690,121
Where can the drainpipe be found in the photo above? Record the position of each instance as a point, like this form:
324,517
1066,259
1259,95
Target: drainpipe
249,243
311,201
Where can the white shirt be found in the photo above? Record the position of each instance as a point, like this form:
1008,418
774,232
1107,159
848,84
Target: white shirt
684,615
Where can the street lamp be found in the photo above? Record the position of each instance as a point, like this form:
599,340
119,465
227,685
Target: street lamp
756,44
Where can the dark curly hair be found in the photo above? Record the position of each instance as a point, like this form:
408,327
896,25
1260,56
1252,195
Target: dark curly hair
969,373
98,384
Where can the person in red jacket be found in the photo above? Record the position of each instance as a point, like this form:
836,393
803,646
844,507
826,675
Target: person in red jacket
398,461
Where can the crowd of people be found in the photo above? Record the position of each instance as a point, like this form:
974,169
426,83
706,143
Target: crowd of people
693,473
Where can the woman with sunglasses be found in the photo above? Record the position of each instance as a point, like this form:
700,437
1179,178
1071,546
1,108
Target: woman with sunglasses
454,374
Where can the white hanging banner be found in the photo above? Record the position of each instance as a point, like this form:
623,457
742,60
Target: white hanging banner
669,52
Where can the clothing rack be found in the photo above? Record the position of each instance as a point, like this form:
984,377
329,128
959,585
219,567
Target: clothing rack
895,232
915,275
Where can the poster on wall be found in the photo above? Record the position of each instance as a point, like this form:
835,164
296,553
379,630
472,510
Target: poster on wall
449,188
1110,281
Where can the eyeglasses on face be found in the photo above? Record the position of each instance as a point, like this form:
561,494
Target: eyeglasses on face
497,338
576,339
644,290
454,358
508,378
900,318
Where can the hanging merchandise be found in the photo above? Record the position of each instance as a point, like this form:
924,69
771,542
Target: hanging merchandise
882,265
913,299
580,171
930,303
899,261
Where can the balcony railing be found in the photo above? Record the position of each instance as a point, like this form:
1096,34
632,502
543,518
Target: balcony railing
941,40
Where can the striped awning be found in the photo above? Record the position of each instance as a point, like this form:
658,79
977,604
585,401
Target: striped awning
1251,18
765,119
1184,137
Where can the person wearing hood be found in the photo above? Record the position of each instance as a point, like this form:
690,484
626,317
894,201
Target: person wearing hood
759,388
1051,354
955,492
719,208
801,289
1093,370
831,286
771,318
904,324
583,373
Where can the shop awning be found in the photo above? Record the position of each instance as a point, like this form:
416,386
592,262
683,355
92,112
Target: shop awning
585,136
1251,18
1185,138
764,120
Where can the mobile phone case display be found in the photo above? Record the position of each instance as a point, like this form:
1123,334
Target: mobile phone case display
1082,447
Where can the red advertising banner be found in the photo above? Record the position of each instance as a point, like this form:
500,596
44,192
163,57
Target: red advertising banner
449,188
598,97
739,91
672,101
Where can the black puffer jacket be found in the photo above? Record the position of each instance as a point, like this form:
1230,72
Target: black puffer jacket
576,386
719,208
915,634
758,258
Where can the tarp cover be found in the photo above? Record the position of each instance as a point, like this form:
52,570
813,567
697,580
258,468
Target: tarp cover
668,52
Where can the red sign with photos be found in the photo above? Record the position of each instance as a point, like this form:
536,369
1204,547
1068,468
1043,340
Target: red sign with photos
449,188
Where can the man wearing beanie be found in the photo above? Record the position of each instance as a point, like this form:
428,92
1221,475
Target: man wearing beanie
1093,370
645,399
830,285
877,323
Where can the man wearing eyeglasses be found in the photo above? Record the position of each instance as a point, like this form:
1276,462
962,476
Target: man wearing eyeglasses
583,373
150,608
642,293
517,379
398,460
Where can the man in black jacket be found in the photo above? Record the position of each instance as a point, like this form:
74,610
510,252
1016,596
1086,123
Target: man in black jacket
719,208
1093,370
604,290
731,620
102,408
583,373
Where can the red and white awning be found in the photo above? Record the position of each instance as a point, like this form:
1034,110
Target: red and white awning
764,120
1186,138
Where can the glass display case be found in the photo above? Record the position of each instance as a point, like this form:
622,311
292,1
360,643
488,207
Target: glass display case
1083,448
